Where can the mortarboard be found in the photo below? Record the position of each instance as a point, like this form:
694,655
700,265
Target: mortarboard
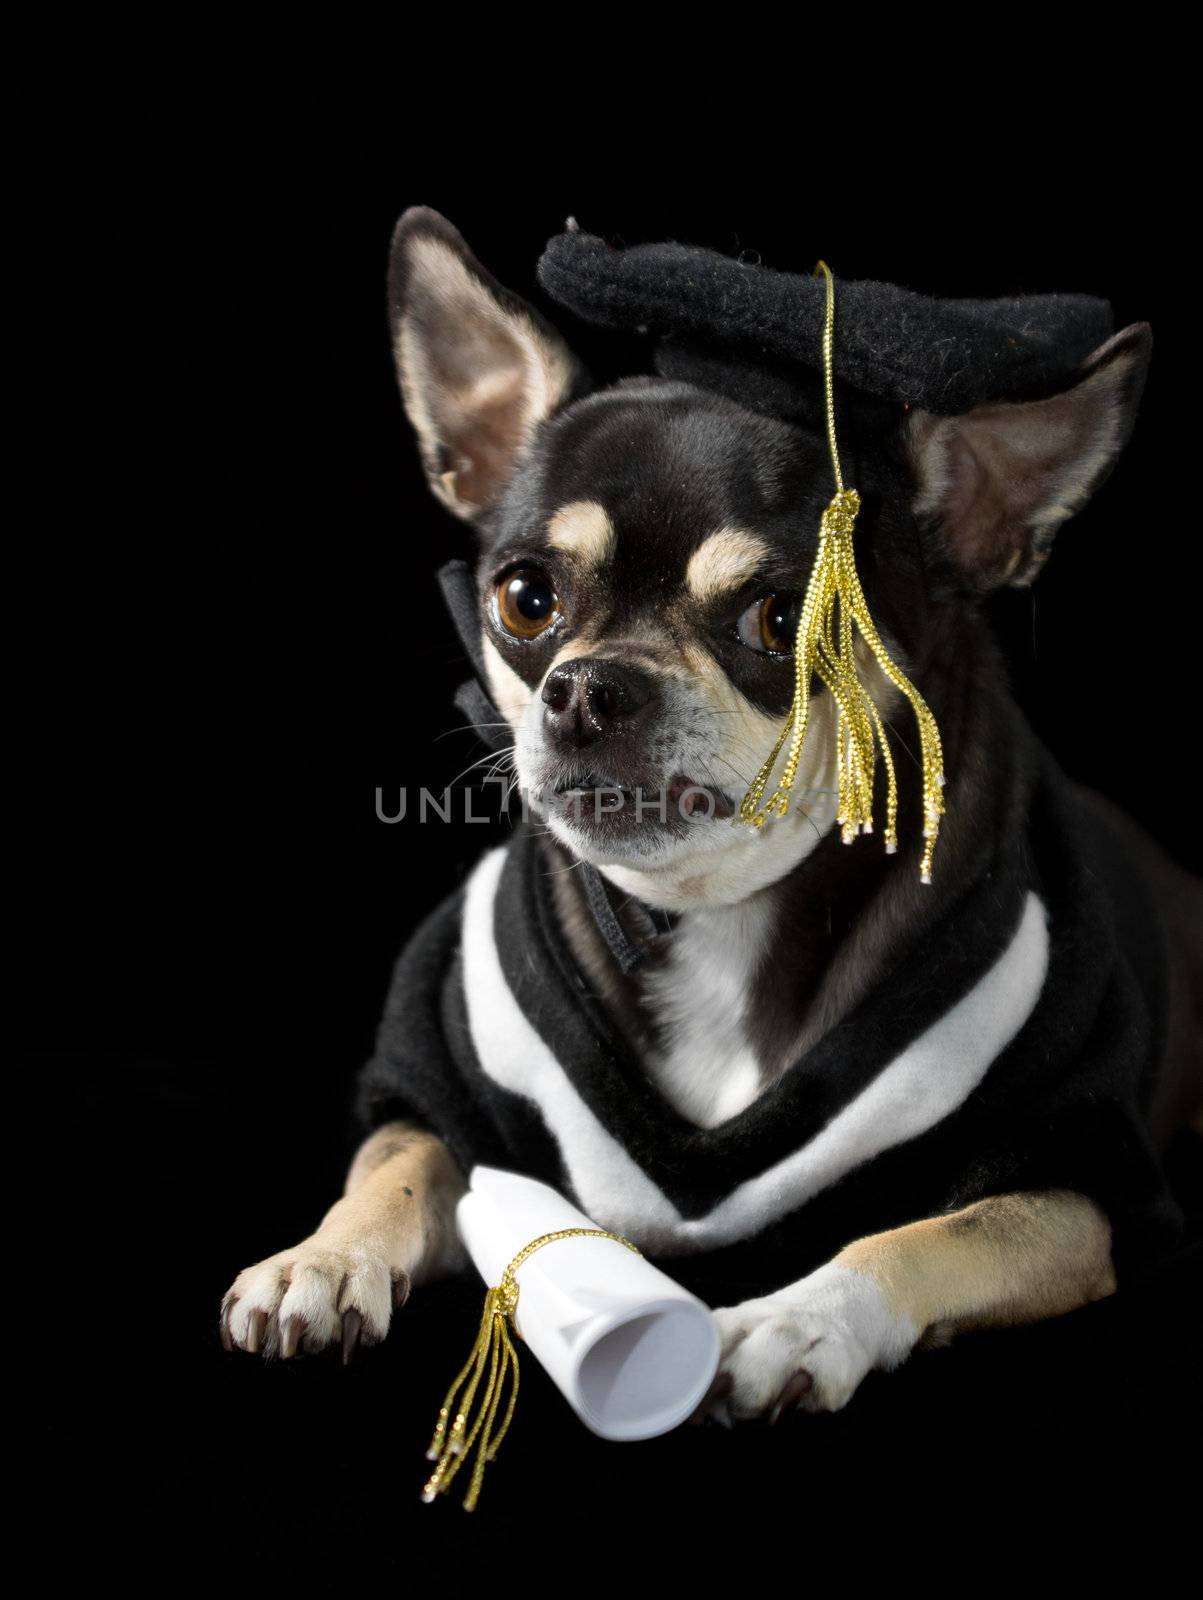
756,333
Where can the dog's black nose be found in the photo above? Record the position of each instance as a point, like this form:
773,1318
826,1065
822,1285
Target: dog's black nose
589,698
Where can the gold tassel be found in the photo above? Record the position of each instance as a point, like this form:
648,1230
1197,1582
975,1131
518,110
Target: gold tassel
823,647
454,1438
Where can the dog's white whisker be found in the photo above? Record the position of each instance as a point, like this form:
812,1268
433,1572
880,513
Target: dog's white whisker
491,758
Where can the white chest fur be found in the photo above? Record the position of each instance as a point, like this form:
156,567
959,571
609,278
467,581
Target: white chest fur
707,1070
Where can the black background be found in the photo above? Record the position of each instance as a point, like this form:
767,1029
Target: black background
231,637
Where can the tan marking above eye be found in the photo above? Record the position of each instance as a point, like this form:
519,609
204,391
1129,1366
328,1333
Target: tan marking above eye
583,529
724,561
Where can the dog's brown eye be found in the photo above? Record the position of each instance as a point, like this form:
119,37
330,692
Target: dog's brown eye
527,604
770,623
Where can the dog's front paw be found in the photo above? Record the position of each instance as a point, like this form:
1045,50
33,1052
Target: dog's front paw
807,1346
309,1297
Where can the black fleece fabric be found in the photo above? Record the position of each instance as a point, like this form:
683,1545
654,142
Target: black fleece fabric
755,333
1062,1105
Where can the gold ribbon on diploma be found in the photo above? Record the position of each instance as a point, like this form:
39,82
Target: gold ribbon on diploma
459,1430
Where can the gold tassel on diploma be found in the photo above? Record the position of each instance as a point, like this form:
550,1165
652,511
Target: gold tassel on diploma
823,648
454,1438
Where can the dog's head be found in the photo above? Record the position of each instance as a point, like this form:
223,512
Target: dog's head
643,549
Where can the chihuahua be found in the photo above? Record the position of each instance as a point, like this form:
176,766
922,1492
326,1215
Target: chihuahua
707,1030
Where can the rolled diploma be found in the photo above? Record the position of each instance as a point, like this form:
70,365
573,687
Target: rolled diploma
632,1352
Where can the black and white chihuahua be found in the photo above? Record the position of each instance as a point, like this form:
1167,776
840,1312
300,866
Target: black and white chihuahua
641,552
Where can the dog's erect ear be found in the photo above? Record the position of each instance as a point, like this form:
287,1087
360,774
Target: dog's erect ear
479,368
1001,479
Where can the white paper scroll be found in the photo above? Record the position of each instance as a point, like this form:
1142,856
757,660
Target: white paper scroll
632,1351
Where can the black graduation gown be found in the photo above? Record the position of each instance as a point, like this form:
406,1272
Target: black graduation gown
1015,1046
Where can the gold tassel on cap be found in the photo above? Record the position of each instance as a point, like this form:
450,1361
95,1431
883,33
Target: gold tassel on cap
454,1438
823,648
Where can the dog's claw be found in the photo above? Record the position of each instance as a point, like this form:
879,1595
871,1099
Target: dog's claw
227,1340
796,1385
352,1322
400,1290
718,1390
255,1331
290,1335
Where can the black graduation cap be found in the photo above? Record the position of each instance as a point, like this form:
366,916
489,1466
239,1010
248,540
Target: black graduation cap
756,334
